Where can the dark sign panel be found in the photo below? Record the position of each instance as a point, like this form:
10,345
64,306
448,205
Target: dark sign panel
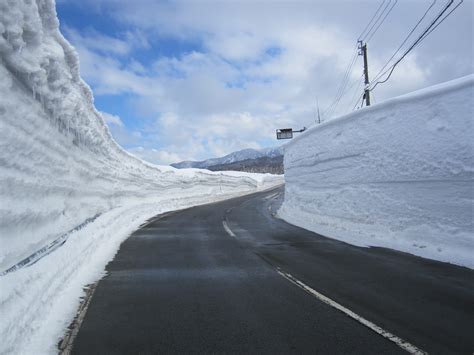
284,133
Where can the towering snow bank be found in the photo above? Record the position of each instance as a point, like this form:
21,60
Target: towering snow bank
59,165
63,178
397,175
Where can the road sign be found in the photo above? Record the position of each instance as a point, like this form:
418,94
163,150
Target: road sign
287,133
284,133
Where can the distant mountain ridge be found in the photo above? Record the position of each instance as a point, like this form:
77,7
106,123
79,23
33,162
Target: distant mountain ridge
273,165
252,160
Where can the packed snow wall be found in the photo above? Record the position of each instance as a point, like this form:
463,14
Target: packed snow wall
398,174
69,195
59,165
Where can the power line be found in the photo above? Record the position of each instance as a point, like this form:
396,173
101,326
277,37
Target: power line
380,15
405,40
427,31
343,84
361,97
358,88
377,20
333,107
381,22
370,22
435,23
356,81
444,18
363,46
345,78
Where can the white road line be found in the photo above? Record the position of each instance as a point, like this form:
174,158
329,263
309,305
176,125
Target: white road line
412,349
227,229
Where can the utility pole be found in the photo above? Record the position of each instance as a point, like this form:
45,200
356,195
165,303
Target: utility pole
319,115
363,52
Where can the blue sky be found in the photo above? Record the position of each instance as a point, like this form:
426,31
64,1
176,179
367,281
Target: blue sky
77,22
180,80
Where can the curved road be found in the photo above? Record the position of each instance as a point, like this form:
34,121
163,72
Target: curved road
231,278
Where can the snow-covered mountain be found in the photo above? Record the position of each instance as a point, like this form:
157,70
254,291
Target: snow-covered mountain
262,165
238,156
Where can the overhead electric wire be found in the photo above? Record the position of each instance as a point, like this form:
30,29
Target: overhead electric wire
345,78
376,21
370,22
381,22
380,15
358,88
372,27
378,18
344,82
345,91
405,40
427,31
413,45
435,23
342,90
444,18
361,97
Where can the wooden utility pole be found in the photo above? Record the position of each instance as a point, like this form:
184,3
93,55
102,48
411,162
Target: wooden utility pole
363,52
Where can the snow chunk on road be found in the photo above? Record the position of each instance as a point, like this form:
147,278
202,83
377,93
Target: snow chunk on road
398,175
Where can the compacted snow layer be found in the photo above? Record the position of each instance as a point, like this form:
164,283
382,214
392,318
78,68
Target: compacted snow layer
69,194
398,174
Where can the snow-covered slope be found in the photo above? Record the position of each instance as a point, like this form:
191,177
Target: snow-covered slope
398,175
64,180
234,157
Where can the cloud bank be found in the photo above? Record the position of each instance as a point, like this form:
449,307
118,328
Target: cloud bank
204,78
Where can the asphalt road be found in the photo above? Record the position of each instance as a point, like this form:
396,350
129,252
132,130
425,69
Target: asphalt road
185,284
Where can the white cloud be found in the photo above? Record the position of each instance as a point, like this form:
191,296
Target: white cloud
112,120
262,66
109,76
96,41
155,156
239,46
121,134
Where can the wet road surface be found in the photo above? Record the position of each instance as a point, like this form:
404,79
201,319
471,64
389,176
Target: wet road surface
209,280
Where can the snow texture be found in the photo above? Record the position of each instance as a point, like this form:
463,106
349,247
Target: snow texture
69,194
398,175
